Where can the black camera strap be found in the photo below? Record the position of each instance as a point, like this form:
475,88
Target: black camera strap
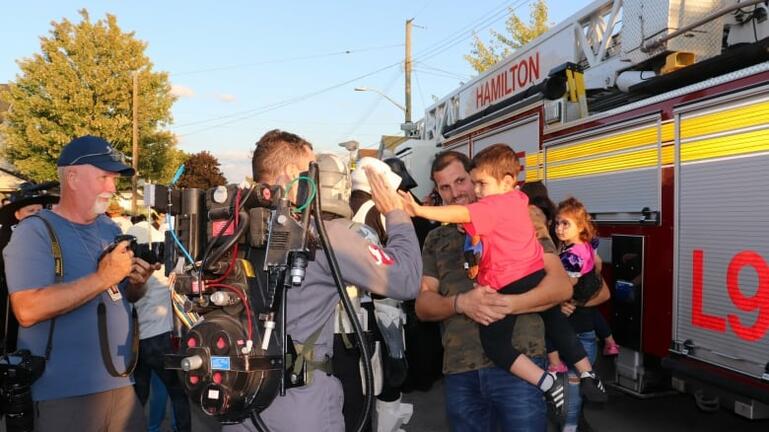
104,342
101,312
58,266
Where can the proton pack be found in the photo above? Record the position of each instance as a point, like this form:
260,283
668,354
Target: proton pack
231,253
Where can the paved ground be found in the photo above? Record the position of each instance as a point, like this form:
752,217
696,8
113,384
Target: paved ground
672,413
623,412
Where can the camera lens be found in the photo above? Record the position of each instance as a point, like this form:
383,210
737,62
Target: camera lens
17,406
158,249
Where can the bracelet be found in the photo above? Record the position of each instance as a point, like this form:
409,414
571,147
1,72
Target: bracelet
456,301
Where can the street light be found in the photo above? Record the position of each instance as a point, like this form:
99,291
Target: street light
352,147
365,89
408,127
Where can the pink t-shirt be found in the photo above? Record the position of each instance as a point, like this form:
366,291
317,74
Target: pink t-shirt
510,247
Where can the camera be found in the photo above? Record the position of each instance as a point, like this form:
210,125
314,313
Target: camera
17,373
150,252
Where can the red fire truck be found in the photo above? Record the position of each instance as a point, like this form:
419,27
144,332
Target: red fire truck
655,114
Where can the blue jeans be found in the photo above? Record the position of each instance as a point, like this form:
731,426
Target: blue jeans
573,398
492,399
158,402
151,352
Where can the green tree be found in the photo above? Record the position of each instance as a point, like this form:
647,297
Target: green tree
79,84
201,170
483,56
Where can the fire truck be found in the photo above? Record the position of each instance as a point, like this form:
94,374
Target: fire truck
655,114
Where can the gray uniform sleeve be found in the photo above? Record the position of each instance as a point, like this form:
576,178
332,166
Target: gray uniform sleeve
393,271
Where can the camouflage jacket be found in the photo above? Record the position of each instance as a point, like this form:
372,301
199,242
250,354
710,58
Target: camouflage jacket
442,259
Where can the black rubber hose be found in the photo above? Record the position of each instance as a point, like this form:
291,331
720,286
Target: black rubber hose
258,422
337,274
218,252
204,261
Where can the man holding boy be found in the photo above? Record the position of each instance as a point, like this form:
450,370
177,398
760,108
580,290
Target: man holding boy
480,396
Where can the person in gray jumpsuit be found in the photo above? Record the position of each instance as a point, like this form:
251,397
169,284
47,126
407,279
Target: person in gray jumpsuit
393,271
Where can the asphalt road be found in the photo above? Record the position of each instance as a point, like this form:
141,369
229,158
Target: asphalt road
671,413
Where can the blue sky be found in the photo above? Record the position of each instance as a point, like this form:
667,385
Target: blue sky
244,67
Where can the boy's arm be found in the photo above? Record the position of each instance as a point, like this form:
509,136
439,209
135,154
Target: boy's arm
449,213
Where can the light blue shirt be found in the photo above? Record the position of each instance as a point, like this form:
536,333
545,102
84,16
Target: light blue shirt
75,367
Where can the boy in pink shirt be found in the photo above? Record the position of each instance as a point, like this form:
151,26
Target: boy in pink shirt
512,263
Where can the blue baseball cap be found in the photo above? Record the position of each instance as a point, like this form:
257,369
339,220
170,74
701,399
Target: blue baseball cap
91,150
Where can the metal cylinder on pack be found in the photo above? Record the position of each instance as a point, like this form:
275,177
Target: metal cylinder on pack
224,298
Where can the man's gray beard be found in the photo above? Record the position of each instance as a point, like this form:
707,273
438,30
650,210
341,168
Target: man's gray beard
99,206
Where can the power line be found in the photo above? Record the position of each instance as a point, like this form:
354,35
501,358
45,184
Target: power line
419,86
452,40
287,60
280,104
458,75
375,103
428,3
463,35
438,74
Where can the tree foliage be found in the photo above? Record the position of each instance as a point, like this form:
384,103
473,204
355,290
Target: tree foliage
202,171
483,56
80,83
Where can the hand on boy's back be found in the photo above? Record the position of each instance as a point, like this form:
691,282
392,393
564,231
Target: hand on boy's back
484,305
568,307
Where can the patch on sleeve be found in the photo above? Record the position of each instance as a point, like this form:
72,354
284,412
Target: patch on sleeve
379,255
366,232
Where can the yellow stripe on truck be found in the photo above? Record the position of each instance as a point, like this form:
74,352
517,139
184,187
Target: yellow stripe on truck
719,147
617,142
646,158
533,165
722,121
725,146
601,165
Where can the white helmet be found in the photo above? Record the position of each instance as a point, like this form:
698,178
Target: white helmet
334,187
360,181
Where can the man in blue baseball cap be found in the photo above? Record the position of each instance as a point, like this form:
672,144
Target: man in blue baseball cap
71,290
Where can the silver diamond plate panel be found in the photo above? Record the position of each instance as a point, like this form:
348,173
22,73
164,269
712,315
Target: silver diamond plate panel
647,20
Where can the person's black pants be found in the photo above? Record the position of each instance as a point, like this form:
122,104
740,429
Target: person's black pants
151,352
496,338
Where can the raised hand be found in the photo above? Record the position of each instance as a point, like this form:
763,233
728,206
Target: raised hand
385,199
409,204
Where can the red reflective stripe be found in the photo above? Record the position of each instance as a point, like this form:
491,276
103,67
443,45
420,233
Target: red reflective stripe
758,301
699,318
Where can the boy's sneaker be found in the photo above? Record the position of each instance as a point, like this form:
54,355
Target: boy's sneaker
557,368
591,388
610,349
556,398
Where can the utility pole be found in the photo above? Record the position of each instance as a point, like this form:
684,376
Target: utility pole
407,68
135,140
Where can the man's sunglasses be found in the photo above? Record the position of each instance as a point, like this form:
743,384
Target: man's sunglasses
113,154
